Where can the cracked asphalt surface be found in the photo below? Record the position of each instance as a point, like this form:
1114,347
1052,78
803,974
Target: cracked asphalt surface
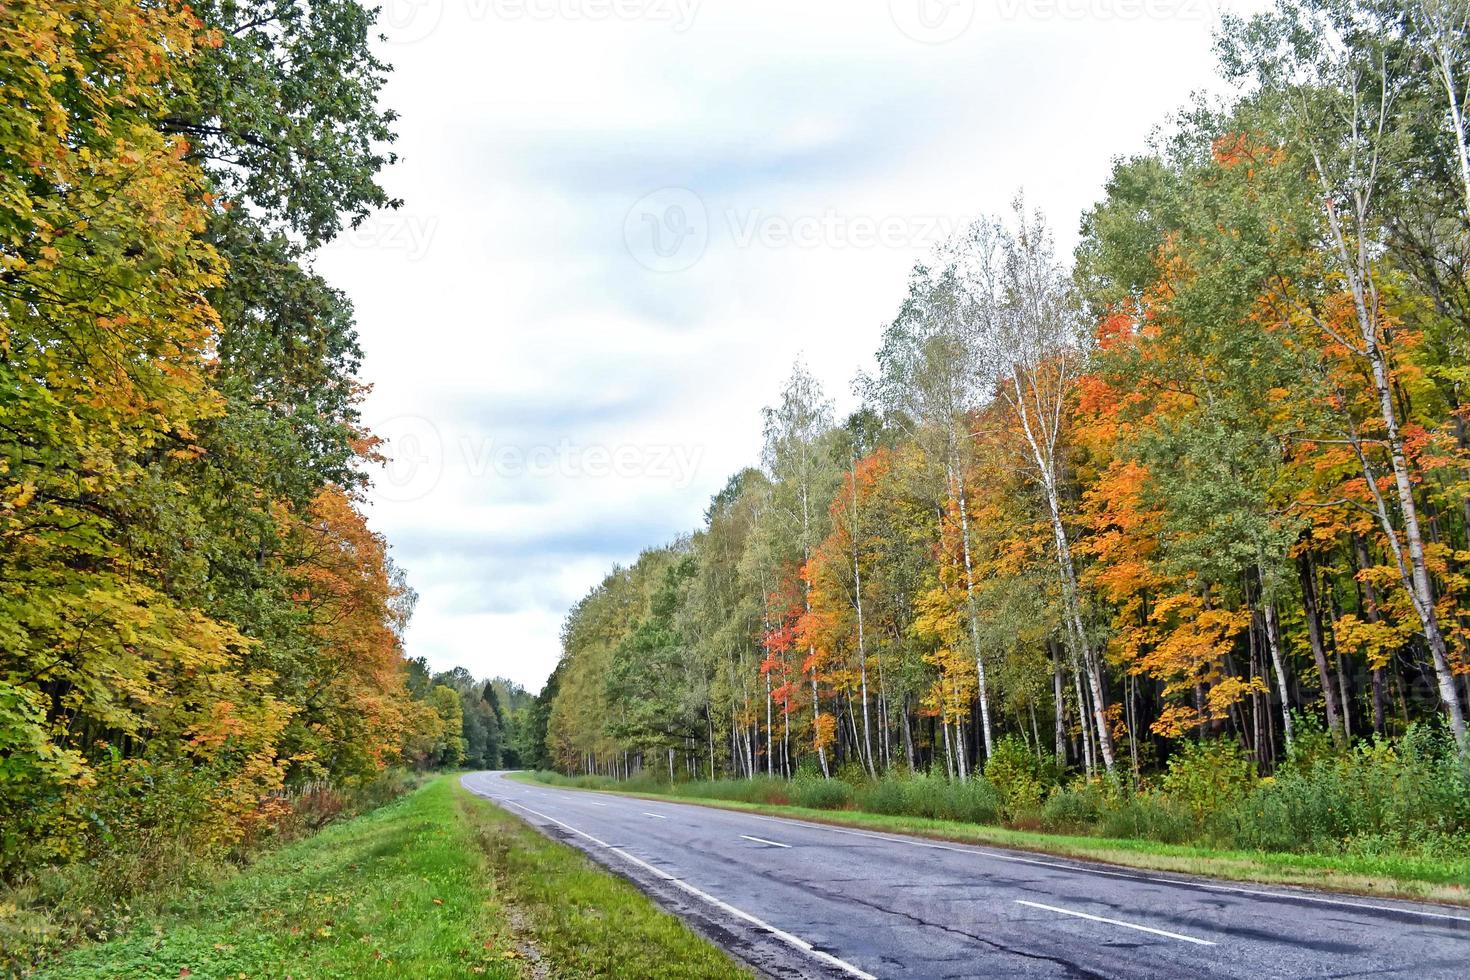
793,898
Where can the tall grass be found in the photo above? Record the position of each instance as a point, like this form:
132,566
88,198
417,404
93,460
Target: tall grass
1406,796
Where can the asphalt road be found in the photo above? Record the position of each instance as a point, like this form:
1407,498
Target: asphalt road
801,899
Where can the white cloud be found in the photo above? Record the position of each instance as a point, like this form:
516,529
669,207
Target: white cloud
503,307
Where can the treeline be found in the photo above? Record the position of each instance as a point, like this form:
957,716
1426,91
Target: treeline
489,718
1209,480
195,620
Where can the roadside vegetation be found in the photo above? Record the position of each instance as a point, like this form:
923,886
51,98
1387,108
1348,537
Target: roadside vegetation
439,883
201,638
1388,817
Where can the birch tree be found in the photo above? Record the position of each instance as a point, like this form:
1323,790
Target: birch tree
805,478
929,383
1335,106
1032,349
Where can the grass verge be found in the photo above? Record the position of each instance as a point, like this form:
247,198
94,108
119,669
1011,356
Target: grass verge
1389,876
437,884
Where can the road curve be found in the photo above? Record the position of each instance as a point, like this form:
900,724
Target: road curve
794,898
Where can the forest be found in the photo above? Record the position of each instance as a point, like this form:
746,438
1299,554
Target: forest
201,639
1179,521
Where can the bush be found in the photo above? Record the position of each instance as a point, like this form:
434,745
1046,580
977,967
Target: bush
1074,808
1019,777
769,790
887,795
1209,777
1414,791
973,801
970,801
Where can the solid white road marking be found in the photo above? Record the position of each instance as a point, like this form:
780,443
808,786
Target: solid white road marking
780,934
1116,922
762,840
656,816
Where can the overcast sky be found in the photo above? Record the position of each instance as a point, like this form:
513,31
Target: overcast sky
625,219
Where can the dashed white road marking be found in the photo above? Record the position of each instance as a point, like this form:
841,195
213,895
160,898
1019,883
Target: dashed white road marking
656,816
1134,876
980,851
1116,922
762,840
780,934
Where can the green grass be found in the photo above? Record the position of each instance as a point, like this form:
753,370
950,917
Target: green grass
589,922
1435,878
437,884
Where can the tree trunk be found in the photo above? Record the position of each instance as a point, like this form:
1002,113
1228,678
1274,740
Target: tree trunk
1056,693
1319,652
958,480
1369,605
1273,643
857,601
1358,268
908,736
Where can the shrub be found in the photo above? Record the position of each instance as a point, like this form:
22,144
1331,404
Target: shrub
769,790
1019,777
1073,807
1413,790
1209,777
887,795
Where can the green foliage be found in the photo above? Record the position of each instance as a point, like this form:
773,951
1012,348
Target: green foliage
1019,777
197,627
921,795
1075,807
1407,794
449,750
1209,777
820,794
35,778
1148,816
